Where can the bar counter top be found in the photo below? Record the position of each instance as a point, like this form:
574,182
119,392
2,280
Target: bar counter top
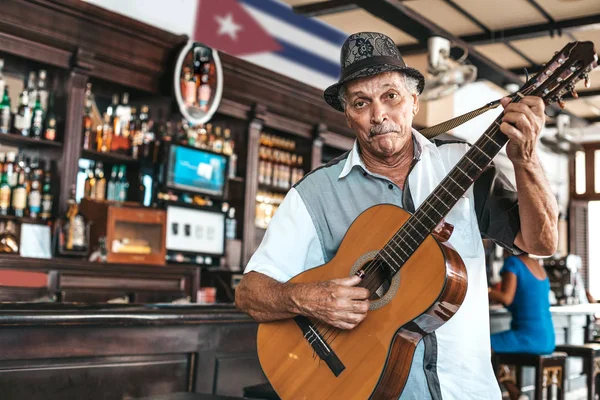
57,314
580,309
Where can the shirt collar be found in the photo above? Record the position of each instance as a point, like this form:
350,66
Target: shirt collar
354,160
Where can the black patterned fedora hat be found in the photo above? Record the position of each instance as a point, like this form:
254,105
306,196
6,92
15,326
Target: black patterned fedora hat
365,54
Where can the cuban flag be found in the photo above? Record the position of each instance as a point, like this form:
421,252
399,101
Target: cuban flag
270,34
263,32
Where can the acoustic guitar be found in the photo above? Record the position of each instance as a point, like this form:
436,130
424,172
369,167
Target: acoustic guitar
417,281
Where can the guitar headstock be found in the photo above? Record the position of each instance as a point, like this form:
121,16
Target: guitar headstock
559,76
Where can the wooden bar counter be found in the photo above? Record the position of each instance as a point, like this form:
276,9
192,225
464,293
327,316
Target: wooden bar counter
70,351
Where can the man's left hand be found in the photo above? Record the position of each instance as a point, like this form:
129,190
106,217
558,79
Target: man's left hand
522,123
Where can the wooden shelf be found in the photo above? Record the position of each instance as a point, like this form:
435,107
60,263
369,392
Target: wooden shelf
114,158
26,141
270,188
21,220
236,179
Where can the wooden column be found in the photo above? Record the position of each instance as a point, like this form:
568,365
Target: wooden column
69,164
317,146
255,127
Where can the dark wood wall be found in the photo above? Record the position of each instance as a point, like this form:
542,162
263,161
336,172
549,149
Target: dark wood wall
83,42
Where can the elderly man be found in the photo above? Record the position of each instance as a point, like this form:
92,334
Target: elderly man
392,163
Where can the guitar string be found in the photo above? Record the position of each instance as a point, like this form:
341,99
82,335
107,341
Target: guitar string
370,276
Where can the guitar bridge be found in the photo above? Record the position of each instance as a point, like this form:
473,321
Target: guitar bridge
320,345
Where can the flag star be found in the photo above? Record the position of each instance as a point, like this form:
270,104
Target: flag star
227,26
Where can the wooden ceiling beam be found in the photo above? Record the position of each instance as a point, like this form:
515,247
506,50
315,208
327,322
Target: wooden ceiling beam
320,8
567,26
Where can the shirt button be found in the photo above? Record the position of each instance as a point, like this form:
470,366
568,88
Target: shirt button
429,367
390,186
364,174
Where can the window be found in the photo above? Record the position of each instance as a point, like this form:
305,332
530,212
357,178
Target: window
597,171
580,172
594,250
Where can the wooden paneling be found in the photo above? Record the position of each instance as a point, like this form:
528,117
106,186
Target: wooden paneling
51,351
98,378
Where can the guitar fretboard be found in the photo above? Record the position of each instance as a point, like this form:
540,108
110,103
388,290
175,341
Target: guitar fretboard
444,197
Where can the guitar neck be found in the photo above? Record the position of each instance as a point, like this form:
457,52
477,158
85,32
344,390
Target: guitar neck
444,197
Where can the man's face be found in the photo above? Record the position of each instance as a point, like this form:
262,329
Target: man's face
380,110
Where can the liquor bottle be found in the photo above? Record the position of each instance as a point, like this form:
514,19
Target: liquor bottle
107,134
204,93
115,121
2,81
37,120
35,194
122,184
19,198
87,120
22,120
211,137
89,185
189,92
100,188
198,66
5,192
31,90
5,112
111,192
8,238
9,170
50,122
47,199
73,235
124,113
218,143
42,90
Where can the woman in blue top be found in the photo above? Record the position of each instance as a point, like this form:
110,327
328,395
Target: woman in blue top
525,291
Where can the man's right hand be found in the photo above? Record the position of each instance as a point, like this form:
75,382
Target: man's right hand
337,302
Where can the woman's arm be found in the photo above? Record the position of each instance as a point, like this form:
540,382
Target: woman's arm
509,287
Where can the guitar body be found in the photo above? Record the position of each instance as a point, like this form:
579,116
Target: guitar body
377,354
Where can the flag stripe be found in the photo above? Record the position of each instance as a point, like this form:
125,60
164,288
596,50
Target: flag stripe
311,60
282,30
311,25
292,69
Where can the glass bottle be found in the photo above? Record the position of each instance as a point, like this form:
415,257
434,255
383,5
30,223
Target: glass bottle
22,120
100,188
73,233
111,192
89,184
42,90
19,199
2,81
5,192
5,113
37,120
50,122
122,184
47,198
35,194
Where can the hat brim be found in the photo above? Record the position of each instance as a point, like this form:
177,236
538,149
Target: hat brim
331,94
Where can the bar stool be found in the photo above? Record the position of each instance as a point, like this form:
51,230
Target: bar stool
549,370
264,391
590,354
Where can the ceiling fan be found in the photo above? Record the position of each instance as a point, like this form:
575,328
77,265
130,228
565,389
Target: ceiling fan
561,142
446,75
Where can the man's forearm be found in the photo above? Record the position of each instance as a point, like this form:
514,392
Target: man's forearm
264,298
537,209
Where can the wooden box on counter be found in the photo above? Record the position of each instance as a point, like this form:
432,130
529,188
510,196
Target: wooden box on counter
134,234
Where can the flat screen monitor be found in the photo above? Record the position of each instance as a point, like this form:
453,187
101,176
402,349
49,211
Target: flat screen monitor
195,170
196,231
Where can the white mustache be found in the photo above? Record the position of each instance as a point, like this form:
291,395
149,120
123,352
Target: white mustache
382,129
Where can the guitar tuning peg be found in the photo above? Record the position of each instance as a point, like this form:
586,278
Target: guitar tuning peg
574,93
561,103
587,81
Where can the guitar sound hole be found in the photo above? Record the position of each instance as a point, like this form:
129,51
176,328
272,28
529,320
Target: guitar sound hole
377,279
